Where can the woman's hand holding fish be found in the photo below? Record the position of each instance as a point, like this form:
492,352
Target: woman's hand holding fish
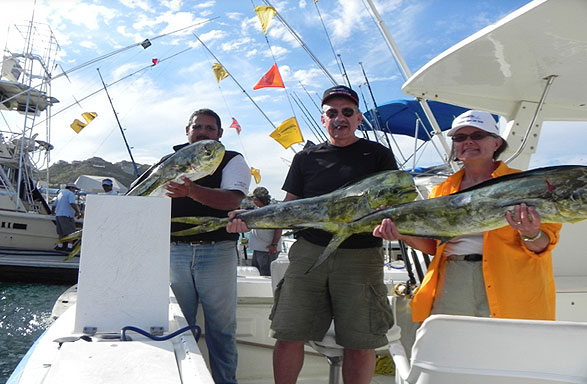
526,220
386,230
236,225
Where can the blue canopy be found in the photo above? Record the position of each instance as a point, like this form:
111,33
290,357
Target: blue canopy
400,116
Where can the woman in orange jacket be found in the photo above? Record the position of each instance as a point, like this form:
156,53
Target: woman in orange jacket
506,272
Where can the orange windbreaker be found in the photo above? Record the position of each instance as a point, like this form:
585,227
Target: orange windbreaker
519,283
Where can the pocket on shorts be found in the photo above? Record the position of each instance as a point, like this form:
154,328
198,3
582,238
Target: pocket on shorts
380,314
276,298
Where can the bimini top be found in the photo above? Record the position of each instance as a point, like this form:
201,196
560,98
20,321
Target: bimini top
406,117
506,63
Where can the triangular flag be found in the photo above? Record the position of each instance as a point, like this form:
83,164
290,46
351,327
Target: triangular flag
155,62
271,79
236,126
77,126
288,133
89,116
265,14
256,174
219,72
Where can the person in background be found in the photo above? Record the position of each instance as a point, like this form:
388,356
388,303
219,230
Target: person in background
264,242
349,287
66,210
506,272
203,267
107,187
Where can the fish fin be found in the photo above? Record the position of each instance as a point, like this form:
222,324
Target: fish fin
208,225
191,220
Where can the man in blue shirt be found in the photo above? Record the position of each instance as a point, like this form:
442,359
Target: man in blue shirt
66,210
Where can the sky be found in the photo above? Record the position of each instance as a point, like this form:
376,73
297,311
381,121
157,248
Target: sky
153,103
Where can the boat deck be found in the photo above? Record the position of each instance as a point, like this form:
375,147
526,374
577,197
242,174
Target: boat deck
38,266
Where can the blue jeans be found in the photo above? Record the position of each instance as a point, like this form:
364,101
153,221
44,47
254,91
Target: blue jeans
206,274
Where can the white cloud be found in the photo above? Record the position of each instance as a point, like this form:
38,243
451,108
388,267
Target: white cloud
88,44
235,44
141,4
172,5
276,51
215,34
205,4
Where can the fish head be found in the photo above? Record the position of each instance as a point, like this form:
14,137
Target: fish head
390,188
199,159
568,191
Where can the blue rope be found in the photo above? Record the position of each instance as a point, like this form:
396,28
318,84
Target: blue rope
160,338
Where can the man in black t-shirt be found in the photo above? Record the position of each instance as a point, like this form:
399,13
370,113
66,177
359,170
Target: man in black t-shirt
349,286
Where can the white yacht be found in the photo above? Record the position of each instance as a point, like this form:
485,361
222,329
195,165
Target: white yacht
27,228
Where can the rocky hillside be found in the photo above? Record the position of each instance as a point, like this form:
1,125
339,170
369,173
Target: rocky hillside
63,172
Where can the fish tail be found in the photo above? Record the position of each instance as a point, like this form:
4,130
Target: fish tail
341,235
77,235
76,250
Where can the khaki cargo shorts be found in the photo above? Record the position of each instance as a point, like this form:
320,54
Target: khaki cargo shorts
348,287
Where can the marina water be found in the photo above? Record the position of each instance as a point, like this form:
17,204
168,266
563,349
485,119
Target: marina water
25,312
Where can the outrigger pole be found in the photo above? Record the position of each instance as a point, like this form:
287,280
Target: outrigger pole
145,44
119,126
406,73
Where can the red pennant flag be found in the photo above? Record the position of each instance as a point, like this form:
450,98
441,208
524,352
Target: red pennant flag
271,79
155,61
236,126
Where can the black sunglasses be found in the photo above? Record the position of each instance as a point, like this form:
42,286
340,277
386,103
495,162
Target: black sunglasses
474,136
346,112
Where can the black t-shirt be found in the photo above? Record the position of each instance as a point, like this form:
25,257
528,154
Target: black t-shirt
324,168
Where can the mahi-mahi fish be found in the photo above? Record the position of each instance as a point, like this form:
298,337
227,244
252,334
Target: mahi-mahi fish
559,195
193,161
325,211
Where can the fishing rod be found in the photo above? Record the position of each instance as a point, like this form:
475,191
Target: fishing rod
328,37
119,126
377,115
365,121
304,46
311,99
317,131
344,73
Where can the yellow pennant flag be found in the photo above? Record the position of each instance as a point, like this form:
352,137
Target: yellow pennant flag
256,174
89,116
77,126
219,72
288,133
265,14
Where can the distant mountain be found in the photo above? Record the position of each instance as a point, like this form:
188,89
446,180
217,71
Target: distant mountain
63,172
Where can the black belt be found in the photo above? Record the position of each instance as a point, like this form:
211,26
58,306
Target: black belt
471,257
198,242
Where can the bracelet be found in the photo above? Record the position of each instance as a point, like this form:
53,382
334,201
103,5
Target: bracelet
531,239
273,245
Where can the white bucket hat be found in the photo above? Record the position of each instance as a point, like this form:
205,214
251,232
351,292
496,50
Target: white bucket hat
474,118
